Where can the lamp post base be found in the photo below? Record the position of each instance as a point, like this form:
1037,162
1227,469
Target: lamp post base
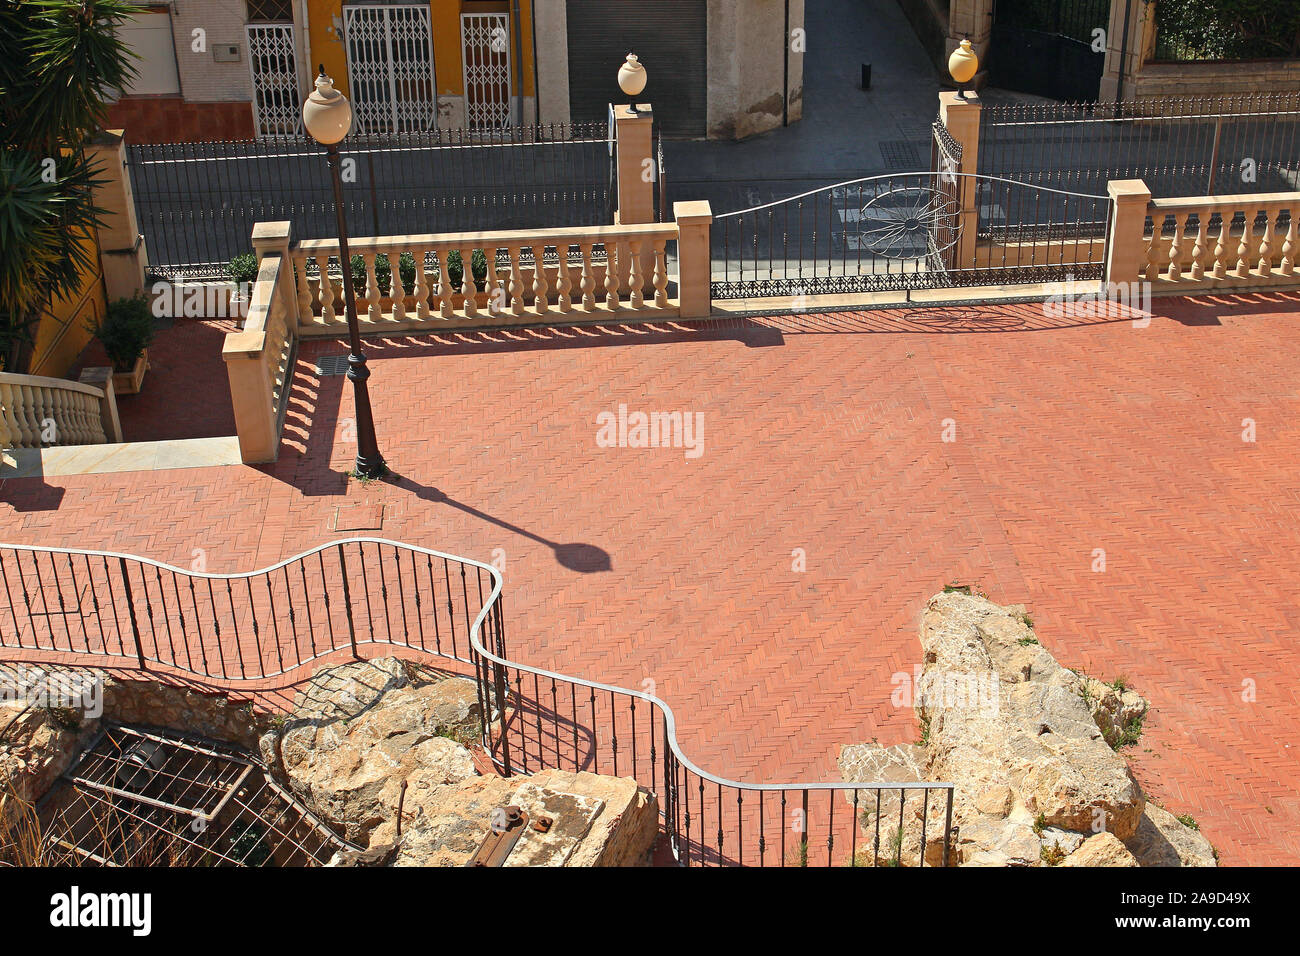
370,468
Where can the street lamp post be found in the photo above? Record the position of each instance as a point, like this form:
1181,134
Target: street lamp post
328,117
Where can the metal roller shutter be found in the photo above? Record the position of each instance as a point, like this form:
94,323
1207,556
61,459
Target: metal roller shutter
670,38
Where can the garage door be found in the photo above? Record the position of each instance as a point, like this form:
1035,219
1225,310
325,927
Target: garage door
669,38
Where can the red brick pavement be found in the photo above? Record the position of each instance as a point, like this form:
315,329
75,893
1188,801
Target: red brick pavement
185,392
823,433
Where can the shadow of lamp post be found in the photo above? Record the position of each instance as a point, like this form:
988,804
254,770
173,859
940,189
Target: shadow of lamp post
327,117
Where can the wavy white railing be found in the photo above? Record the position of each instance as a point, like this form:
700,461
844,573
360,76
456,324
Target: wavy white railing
264,627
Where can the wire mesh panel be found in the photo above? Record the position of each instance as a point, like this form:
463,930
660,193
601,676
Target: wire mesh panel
143,798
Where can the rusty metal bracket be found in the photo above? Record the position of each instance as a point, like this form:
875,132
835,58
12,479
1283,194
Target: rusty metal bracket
507,825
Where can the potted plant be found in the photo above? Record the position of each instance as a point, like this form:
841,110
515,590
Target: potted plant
125,334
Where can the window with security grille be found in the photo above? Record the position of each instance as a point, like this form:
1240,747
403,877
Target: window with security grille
270,11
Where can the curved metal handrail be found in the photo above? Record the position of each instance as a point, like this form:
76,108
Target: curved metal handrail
919,173
670,720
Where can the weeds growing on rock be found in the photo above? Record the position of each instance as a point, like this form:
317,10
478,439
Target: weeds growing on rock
1187,820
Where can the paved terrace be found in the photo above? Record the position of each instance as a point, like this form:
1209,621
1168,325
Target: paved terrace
822,433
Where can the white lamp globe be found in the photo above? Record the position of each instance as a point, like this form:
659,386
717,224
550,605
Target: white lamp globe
327,115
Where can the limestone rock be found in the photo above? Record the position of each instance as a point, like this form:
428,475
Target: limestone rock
358,731
1113,710
1025,728
1161,840
1101,849
597,821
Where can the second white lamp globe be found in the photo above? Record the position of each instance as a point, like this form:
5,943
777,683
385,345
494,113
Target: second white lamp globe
631,76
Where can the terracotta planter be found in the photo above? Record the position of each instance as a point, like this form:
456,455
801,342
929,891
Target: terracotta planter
128,383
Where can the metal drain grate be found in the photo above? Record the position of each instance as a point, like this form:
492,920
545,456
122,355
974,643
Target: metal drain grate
901,154
331,365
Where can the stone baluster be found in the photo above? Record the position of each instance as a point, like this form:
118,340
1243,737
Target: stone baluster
1198,247
516,281
9,434
467,287
1175,270
611,276
563,281
1150,269
43,401
373,310
327,312
1247,227
661,273
1220,269
588,281
396,290
636,297
305,304
1287,265
541,288
30,409
421,284
497,283
1266,245
446,307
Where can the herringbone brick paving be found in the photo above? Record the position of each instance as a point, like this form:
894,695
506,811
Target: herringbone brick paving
824,433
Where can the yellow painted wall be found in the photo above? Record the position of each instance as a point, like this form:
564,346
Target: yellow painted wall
61,333
327,47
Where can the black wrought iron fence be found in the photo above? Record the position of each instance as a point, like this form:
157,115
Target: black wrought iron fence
909,231
103,609
1180,146
197,202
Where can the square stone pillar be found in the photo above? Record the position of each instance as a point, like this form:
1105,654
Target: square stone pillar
250,395
1126,246
276,238
635,153
694,265
961,116
121,246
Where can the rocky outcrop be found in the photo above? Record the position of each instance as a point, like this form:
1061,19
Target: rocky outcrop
368,738
358,731
1161,840
1029,746
597,821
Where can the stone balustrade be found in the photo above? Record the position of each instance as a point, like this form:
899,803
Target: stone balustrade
1201,243
1226,241
526,277
37,412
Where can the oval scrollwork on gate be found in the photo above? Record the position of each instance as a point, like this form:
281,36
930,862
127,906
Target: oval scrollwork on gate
910,222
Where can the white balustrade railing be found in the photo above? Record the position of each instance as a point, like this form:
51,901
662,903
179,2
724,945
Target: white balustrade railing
37,412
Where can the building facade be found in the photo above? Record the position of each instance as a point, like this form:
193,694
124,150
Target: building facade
239,69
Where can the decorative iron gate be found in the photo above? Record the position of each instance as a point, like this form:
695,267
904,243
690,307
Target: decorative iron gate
1047,47
390,68
924,230
485,53
273,62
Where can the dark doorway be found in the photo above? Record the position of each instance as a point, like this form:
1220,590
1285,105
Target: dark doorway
1046,47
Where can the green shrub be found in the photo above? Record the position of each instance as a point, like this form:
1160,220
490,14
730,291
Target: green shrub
243,268
406,271
125,332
